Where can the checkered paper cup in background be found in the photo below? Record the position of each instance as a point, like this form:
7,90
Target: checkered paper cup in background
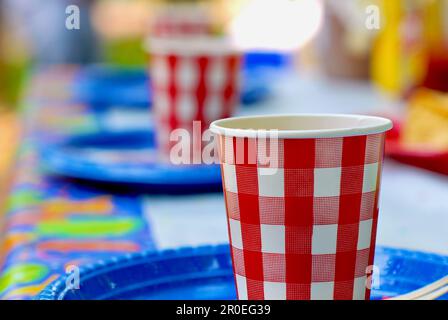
195,80
303,224
182,19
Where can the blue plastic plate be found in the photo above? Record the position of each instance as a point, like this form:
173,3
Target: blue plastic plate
103,86
127,158
206,273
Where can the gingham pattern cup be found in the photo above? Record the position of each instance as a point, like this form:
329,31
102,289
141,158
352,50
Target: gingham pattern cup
304,225
182,20
193,79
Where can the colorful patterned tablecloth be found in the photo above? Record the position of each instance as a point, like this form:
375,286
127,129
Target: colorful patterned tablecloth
51,225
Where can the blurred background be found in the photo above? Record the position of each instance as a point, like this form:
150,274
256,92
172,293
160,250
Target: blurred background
78,177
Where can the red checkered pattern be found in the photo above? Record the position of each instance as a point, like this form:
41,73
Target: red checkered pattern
192,88
182,20
165,28
305,230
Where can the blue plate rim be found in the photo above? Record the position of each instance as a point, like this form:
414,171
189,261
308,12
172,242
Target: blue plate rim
56,290
55,161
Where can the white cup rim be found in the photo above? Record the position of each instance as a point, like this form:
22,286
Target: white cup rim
191,45
340,125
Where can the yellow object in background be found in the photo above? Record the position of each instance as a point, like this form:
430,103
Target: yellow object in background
426,124
436,22
399,56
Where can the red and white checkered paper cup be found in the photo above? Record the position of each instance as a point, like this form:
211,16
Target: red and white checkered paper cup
304,225
193,80
182,20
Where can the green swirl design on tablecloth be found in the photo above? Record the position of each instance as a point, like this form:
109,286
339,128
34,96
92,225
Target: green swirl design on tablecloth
89,227
22,274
